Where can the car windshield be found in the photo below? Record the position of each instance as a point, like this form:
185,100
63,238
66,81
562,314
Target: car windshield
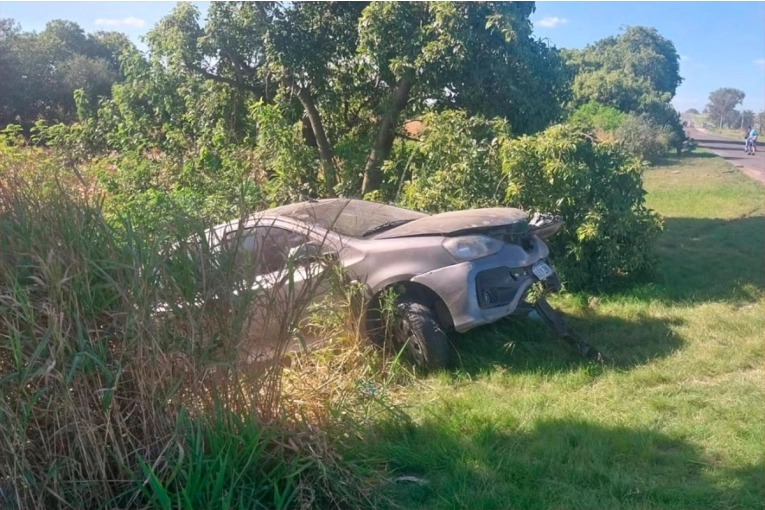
353,218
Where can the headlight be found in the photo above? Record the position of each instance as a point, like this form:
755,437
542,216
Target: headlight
471,247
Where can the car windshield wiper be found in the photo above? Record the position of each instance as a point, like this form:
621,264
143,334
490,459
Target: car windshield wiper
384,226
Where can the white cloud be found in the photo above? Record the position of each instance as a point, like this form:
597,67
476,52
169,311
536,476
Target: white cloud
684,57
124,22
552,22
760,62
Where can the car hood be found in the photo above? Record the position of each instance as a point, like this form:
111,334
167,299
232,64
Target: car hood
461,222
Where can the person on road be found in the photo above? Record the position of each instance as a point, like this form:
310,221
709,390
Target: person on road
751,142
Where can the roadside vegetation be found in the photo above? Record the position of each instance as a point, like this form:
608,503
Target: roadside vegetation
104,403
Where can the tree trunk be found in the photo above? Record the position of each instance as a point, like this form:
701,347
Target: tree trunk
372,172
325,149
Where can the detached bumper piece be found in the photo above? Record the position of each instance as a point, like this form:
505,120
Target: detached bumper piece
554,319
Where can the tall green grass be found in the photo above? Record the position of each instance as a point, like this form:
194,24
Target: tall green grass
129,374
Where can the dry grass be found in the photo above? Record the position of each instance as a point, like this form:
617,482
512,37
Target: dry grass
129,374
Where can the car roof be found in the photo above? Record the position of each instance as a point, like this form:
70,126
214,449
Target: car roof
345,216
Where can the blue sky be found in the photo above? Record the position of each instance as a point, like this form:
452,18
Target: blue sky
722,44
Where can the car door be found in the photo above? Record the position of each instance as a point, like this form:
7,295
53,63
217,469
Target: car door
282,275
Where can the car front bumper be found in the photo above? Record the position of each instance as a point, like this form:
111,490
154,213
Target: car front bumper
485,290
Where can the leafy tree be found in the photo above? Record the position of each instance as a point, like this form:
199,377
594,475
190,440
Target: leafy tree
597,188
692,111
746,118
455,164
644,138
351,72
42,70
722,104
458,54
646,60
636,72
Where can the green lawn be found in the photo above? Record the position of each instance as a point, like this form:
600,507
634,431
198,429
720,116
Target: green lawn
676,422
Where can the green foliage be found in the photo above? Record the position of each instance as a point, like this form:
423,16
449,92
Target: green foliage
722,105
636,72
454,166
42,70
598,116
597,189
290,163
644,59
692,111
222,461
644,138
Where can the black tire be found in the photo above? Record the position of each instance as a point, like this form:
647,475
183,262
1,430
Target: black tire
417,328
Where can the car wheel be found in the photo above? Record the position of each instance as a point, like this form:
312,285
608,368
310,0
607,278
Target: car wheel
416,327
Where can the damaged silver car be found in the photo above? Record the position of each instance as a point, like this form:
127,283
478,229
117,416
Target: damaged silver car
451,271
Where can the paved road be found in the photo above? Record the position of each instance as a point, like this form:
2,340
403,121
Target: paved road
733,151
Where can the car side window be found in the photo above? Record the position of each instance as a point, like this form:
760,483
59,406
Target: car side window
267,248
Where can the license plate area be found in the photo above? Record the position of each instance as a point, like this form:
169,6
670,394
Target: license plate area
541,270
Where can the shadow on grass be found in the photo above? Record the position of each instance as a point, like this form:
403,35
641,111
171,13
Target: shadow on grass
705,260
685,159
702,260
521,344
556,464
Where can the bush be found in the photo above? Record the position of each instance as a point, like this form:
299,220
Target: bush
597,116
598,190
646,139
455,165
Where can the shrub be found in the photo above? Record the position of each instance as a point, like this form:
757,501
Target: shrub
598,116
646,139
455,165
598,190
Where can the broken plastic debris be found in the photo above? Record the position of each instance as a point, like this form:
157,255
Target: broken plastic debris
412,479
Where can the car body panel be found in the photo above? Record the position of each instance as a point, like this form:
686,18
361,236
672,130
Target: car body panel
459,222
411,252
456,285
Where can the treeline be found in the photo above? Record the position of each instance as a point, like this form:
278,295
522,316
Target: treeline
721,110
39,72
431,104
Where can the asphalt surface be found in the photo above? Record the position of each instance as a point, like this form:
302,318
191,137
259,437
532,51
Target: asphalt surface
733,151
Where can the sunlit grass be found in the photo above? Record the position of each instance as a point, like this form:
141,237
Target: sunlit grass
675,422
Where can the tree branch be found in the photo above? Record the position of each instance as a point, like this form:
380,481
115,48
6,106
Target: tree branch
222,79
